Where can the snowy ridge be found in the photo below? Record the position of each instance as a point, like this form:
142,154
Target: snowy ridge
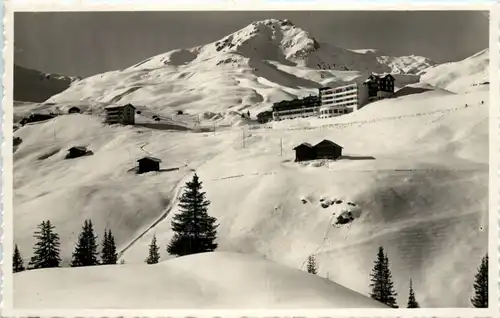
460,76
35,86
249,282
265,62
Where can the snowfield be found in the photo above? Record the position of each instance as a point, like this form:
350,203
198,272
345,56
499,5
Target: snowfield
414,176
202,281
460,76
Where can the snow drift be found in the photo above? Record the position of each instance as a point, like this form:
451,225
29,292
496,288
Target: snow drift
202,281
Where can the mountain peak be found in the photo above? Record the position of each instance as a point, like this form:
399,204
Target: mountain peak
269,39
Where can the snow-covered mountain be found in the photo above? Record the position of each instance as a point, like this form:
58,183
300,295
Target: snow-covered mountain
265,62
462,75
414,171
35,86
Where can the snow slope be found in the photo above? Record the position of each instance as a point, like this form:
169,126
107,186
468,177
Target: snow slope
414,174
265,62
225,280
460,76
422,195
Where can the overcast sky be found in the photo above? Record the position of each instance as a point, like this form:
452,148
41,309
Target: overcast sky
87,43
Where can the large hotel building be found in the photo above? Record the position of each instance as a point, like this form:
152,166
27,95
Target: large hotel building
338,100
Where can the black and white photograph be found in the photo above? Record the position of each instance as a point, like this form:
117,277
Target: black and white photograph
299,159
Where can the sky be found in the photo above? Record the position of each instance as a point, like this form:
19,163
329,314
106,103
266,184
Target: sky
88,43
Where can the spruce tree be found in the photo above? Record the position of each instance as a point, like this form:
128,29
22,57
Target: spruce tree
311,265
17,261
381,281
85,253
108,253
412,301
46,249
195,231
154,255
480,298
390,292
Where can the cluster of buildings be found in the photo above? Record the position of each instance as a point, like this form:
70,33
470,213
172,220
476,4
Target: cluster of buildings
336,101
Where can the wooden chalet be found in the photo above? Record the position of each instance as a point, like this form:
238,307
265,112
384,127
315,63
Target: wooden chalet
148,164
74,110
76,152
304,152
325,149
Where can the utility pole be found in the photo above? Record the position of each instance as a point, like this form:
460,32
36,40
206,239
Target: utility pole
281,147
243,137
214,128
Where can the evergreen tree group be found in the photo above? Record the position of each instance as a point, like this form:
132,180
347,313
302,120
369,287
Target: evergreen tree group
195,231
381,281
17,261
480,298
412,301
154,254
108,253
46,249
312,267
85,253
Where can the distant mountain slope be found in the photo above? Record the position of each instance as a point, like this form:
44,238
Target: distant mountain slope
265,62
35,86
461,75
208,280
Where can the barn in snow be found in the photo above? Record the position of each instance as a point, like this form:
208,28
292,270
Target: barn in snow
325,149
148,164
304,152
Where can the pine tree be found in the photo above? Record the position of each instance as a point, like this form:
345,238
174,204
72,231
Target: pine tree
480,298
85,253
154,255
381,281
46,249
412,301
311,265
390,292
108,253
17,261
195,231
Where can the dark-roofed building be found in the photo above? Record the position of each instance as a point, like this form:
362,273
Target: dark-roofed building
76,152
380,86
327,149
304,152
148,164
74,110
124,114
